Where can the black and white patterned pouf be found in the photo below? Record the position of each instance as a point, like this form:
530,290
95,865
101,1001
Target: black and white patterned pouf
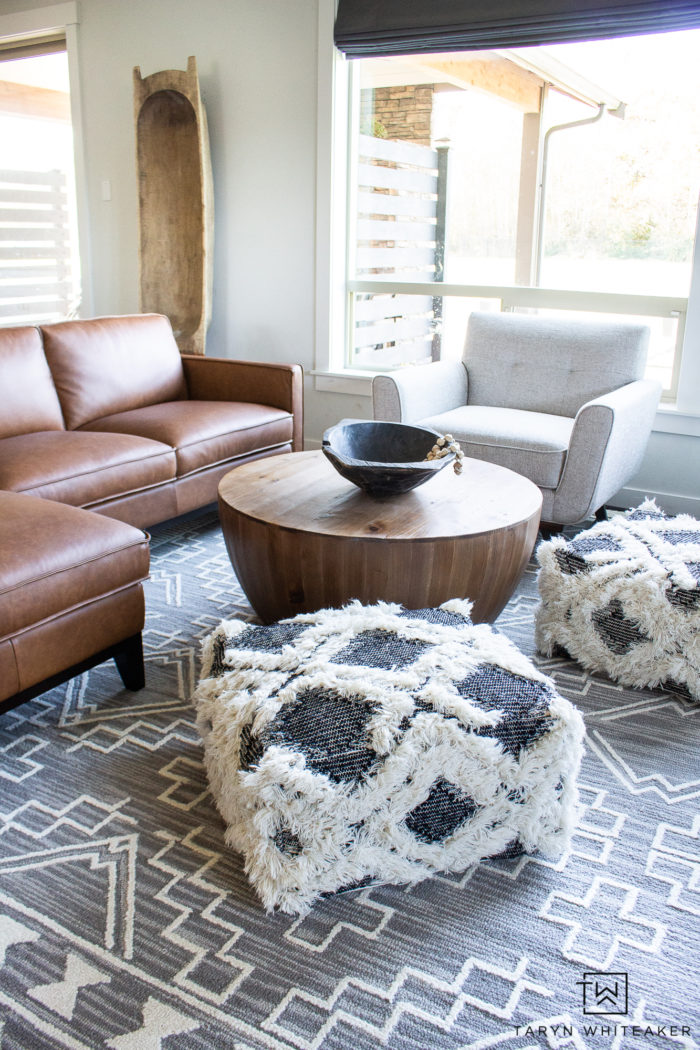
373,743
623,598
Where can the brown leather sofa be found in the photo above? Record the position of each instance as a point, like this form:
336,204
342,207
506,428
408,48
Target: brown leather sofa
105,415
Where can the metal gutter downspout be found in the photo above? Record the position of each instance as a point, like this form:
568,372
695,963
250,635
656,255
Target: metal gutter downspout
543,183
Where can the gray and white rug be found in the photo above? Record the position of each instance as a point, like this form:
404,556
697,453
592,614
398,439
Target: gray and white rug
126,923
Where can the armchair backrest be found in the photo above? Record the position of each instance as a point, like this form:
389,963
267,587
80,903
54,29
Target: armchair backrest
547,364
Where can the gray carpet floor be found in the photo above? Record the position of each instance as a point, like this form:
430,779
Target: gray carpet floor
125,922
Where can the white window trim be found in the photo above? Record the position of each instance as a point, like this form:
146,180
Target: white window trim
332,246
331,204
688,399
35,23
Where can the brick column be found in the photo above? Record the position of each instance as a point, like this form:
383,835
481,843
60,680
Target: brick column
398,112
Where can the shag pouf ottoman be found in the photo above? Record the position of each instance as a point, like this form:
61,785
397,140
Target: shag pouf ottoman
623,598
377,744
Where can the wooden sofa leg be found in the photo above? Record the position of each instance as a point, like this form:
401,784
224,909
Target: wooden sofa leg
129,661
602,513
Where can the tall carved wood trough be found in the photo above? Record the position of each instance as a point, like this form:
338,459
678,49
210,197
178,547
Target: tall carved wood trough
176,220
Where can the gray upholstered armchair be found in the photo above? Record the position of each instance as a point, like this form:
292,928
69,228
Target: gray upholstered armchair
562,402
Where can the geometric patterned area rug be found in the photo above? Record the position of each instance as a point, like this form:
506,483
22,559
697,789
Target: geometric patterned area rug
126,922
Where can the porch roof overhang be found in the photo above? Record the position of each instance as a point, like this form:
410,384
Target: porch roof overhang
565,79
515,76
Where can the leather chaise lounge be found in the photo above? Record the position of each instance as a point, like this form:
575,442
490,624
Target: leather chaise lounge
105,429
71,595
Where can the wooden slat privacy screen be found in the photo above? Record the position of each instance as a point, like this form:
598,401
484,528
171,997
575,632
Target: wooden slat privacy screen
36,279
400,233
395,27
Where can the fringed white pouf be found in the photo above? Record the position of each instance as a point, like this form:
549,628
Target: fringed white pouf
371,744
623,598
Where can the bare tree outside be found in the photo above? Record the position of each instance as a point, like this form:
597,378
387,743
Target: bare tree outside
622,195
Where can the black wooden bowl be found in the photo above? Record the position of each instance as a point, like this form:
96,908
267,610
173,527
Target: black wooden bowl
383,459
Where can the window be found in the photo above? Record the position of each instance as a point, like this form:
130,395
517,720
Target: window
548,179
39,256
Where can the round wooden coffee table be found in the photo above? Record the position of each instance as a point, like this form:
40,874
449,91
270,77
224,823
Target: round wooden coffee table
301,537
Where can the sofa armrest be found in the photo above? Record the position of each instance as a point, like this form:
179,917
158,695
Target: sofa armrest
260,383
410,394
607,446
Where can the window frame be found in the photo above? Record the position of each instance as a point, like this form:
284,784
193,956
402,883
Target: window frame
334,240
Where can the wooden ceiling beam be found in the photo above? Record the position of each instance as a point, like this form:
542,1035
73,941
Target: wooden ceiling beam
491,74
25,100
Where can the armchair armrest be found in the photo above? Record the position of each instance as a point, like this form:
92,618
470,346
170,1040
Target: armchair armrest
607,446
261,383
410,394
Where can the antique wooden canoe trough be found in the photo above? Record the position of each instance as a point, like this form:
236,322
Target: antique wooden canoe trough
176,221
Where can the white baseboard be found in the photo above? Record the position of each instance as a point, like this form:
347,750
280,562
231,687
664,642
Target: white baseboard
671,502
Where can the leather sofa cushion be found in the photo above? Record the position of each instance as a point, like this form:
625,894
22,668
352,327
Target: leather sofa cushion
204,433
73,557
29,398
112,364
83,468
533,444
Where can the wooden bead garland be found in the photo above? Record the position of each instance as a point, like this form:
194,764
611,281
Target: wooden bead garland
443,446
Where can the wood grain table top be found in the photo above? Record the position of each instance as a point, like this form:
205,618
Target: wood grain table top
301,491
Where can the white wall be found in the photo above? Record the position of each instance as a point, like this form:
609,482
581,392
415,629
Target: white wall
670,473
258,72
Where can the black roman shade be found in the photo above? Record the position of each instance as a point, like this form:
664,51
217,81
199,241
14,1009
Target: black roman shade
401,27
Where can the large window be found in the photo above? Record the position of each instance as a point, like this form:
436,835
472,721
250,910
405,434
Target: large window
39,258
549,179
